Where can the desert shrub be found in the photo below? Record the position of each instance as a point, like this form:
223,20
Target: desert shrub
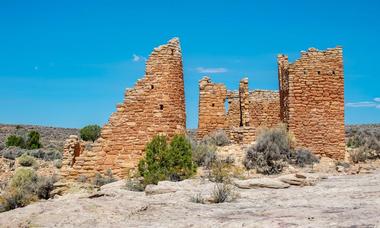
203,154
304,157
229,160
197,198
51,155
271,151
24,178
90,132
365,137
14,140
14,198
47,155
26,187
219,172
223,193
134,185
359,154
101,180
12,152
26,160
58,163
33,141
218,138
45,186
163,161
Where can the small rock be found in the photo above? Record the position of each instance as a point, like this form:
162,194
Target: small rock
293,180
260,183
160,188
300,175
60,184
340,168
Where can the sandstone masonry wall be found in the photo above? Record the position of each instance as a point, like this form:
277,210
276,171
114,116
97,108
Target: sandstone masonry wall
156,105
212,113
247,110
312,100
264,108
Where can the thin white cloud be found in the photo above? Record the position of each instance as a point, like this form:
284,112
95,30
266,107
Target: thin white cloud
361,104
377,99
378,106
137,58
204,70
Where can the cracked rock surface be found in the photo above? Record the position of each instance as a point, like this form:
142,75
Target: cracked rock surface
339,201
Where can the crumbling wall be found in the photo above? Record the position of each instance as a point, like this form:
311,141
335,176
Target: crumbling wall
264,108
233,109
156,105
247,110
212,113
312,100
244,103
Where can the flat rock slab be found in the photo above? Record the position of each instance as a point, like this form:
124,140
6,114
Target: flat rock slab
339,201
260,183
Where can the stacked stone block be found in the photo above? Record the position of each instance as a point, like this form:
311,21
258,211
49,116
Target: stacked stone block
312,100
247,110
156,105
212,113
264,108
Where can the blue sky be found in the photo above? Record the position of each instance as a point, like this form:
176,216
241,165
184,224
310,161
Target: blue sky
67,63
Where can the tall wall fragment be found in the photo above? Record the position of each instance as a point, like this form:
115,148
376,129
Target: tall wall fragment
156,105
312,100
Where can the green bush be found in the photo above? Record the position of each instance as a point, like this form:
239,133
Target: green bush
33,141
26,160
163,161
90,133
14,140
271,151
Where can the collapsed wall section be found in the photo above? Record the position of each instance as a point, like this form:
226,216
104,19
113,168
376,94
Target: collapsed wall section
312,100
156,105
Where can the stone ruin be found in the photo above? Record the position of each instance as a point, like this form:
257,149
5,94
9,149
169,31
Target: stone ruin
310,101
156,105
246,112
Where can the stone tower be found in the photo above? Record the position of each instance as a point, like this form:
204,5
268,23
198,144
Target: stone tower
156,105
312,100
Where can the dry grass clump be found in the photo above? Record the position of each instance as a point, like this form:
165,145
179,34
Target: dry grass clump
223,193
